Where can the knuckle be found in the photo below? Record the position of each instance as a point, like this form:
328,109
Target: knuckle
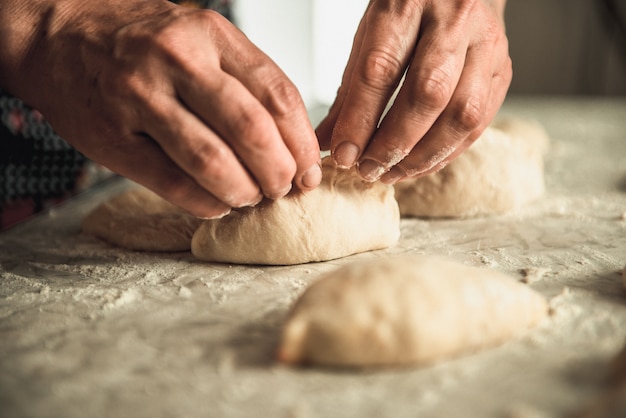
465,5
432,89
282,97
208,163
122,81
253,128
381,69
166,44
216,25
173,42
469,114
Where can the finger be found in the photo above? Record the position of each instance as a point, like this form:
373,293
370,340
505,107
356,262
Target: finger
497,87
161,175
463,117
201,153
281,98
429,85
388,37
246,127
282,102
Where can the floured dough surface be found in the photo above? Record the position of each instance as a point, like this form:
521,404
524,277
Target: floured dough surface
500,172
406,310
343,216
141,220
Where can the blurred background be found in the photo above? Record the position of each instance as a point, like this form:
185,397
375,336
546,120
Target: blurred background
567,46
558,47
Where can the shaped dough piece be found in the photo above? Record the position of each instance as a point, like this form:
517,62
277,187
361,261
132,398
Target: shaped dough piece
344,215
141,220
406,310
500,172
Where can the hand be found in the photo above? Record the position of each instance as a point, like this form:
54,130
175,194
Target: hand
174,98
458,70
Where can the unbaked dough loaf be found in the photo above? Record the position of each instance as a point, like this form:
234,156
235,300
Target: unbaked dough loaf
344,215
141,220
406,310
500,172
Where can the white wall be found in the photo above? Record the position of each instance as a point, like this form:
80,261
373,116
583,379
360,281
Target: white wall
309,39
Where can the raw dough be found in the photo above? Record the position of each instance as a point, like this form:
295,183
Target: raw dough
500,172
141,220
406,310
344,215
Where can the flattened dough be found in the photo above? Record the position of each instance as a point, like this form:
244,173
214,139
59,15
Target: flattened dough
141,220
344,215
500,172
406,310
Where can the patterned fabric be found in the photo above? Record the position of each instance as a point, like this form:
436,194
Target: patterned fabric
38,169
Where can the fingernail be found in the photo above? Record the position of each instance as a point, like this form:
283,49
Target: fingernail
256,200
218,216
313,176
371,170
345,154
393,175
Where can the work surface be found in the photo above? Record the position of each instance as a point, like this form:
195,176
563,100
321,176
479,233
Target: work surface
88,330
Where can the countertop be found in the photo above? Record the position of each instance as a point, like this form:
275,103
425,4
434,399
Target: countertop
89,330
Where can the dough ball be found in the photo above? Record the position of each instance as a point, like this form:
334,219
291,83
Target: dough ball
406,310
141,220
344,215
500,172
